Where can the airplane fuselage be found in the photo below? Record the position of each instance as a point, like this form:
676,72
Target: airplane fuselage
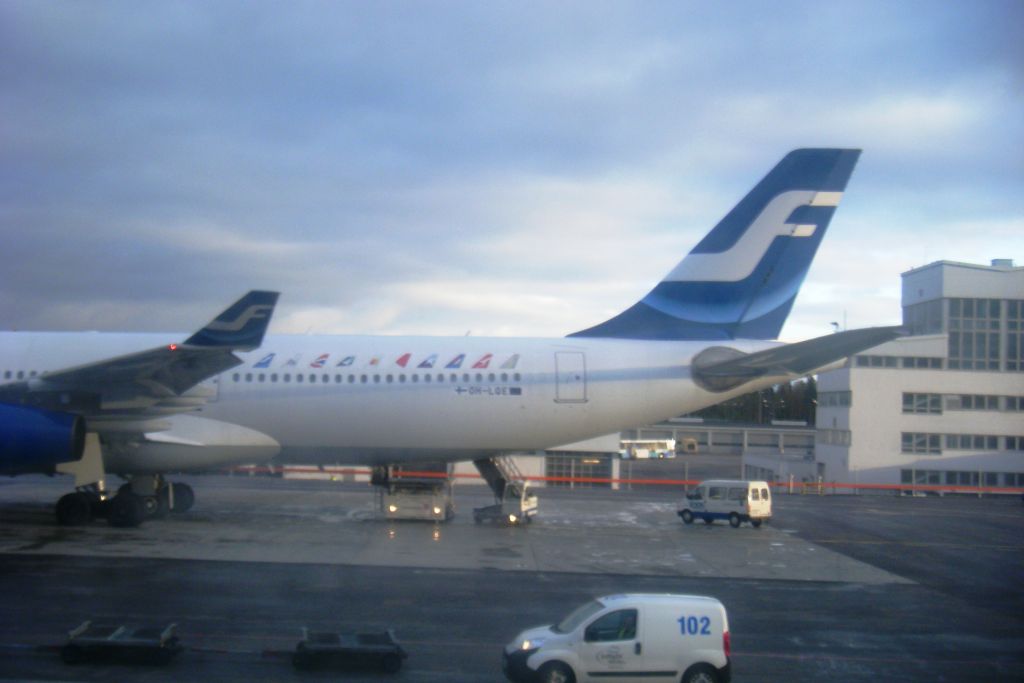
379,399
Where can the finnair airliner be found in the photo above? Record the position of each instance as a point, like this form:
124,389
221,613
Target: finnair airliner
135,405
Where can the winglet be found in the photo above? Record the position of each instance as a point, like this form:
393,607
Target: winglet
241,326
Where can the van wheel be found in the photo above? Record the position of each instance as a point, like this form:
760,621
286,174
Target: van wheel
700,673
734,520
556,672
756,523
687,516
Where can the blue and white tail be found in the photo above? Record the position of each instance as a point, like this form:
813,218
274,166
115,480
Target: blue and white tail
242,324
740,281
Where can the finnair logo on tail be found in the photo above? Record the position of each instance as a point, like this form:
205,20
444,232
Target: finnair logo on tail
254,312
742,258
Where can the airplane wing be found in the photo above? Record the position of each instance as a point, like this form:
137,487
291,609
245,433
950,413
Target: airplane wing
720,368
156,381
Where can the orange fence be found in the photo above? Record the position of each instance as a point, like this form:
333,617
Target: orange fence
805,488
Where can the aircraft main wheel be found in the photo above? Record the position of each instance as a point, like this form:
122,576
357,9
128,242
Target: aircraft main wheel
150,505
163,503
74,509
184,497
126,510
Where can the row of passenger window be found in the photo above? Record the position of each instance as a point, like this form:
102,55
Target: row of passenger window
20,374
326,378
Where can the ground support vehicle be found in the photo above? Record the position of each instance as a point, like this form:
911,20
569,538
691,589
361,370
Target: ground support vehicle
628,638
734,500
320,649
103,642
419,491
518,505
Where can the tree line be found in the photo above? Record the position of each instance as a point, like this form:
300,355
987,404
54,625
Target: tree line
792,401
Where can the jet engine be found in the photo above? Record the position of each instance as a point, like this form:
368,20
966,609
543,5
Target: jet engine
33,440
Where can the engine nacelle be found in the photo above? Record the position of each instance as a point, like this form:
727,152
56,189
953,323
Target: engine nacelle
33,440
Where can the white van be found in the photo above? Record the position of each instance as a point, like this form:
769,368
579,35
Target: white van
627,638
732,499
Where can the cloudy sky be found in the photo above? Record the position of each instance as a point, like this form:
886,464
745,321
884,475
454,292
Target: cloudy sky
496,168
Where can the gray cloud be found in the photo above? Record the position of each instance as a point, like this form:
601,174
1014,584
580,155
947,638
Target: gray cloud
369,160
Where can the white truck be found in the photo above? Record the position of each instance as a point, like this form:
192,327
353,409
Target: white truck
628,638
518,505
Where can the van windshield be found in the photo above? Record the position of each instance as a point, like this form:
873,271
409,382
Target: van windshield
578,616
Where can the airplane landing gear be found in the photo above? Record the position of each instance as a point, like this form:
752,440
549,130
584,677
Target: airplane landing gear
183,496
75,509
126,510
141,498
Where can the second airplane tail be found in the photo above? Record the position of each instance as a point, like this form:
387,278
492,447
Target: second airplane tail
740,281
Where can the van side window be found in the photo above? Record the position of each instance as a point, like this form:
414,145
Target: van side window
619,625
738,494
716,493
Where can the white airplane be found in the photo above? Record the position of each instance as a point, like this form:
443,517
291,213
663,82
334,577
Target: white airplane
132,404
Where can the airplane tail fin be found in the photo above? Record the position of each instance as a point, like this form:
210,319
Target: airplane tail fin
740,281
241,326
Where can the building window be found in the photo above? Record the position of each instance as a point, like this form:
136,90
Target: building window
832,437
914,442
974,334
972,442
962,478
1015,335
924,318
976,402
834,399
877,361
921,363
568,467
920,477
922,403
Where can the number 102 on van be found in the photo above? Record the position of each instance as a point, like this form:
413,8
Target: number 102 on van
695,626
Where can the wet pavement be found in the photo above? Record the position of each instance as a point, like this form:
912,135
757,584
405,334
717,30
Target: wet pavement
840,588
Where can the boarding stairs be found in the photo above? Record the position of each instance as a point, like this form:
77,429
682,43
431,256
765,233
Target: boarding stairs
501,472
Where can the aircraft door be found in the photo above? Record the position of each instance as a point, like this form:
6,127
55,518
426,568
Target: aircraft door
571,373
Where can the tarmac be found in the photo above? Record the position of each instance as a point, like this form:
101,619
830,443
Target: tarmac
835,587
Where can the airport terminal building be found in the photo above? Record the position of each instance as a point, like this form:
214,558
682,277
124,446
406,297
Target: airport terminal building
943,406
